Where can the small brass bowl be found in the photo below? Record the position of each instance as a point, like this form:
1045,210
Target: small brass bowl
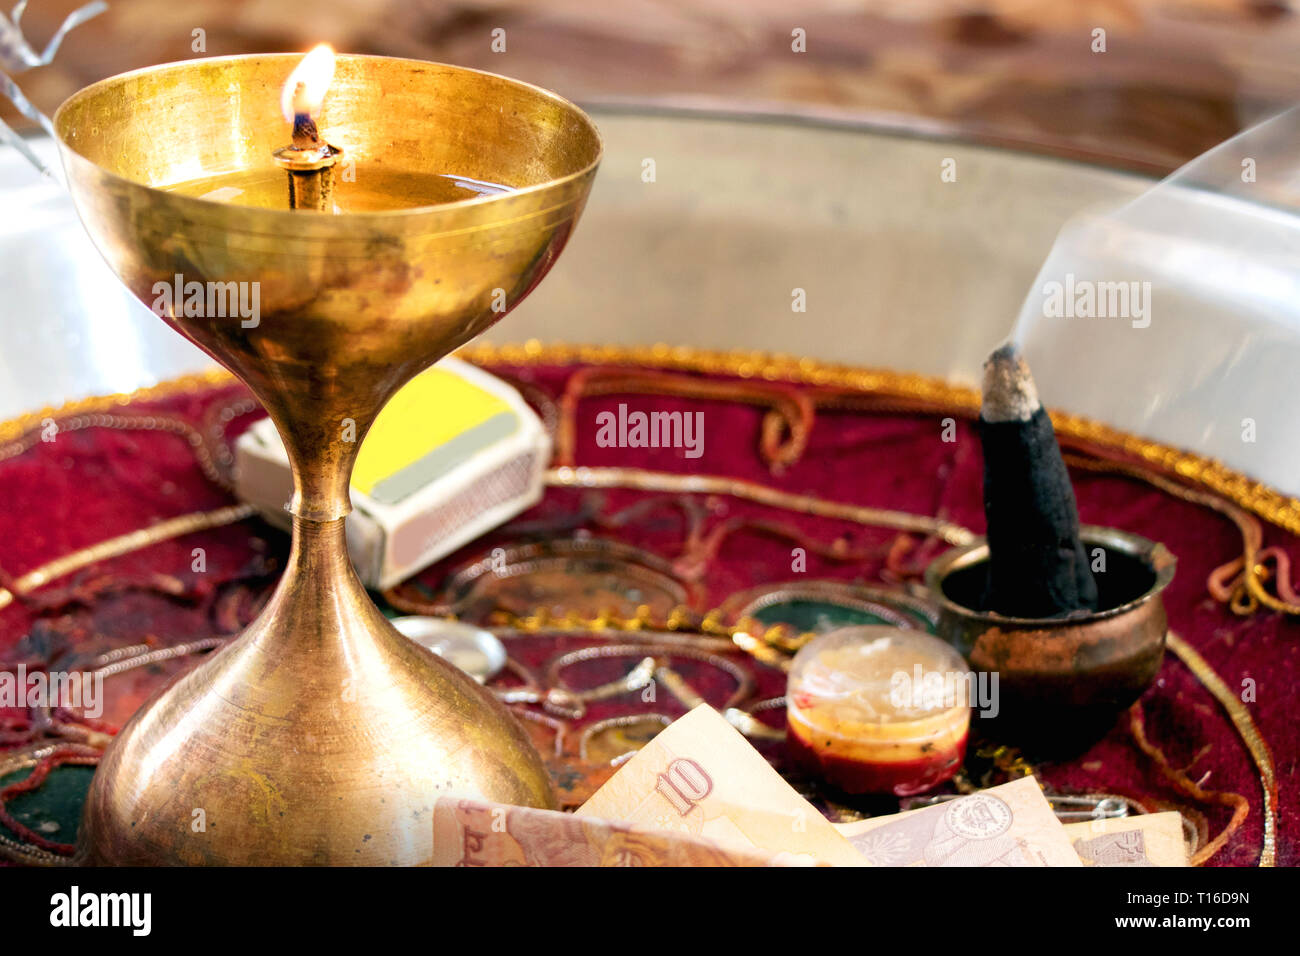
1061,681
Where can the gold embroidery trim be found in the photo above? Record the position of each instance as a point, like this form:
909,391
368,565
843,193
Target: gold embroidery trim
123,544
1250,735
15,428
1255,496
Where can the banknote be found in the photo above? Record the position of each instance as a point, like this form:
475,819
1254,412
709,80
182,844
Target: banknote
473,833
700,778
1149,839
1008,825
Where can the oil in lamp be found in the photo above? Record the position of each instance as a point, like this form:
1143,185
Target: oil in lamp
320,735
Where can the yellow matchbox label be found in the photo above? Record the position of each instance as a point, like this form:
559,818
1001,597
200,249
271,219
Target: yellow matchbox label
429,412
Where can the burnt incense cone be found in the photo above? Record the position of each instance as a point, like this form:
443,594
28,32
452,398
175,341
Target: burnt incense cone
1037,565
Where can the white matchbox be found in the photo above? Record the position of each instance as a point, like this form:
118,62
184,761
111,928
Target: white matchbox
456,453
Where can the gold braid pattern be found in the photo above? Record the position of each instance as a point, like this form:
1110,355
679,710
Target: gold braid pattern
1252,495
123,544
1245,725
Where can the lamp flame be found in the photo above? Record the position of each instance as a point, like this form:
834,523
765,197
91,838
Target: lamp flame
305,89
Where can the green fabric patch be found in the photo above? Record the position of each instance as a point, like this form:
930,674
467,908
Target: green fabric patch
54,809
805,615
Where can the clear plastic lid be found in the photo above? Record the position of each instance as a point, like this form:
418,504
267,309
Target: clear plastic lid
878,675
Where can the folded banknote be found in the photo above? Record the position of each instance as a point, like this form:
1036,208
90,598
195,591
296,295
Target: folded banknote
474,833
1149,839
700,778
1008,825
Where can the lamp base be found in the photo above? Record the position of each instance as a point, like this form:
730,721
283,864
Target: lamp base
320,736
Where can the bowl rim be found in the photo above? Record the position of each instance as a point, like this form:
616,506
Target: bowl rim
70,153
1159,558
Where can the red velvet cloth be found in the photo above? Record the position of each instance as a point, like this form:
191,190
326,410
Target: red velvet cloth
89,485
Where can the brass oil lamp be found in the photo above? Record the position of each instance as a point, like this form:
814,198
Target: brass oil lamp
320,735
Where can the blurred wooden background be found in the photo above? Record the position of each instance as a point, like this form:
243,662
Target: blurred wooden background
1177,76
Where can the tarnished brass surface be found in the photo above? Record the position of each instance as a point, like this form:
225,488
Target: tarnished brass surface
1063,679
321,735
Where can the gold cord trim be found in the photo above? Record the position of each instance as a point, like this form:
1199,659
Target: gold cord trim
1250,735
1272,505
1253,495
15,428
123,544
642,479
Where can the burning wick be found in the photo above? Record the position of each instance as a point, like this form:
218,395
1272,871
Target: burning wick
309,160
